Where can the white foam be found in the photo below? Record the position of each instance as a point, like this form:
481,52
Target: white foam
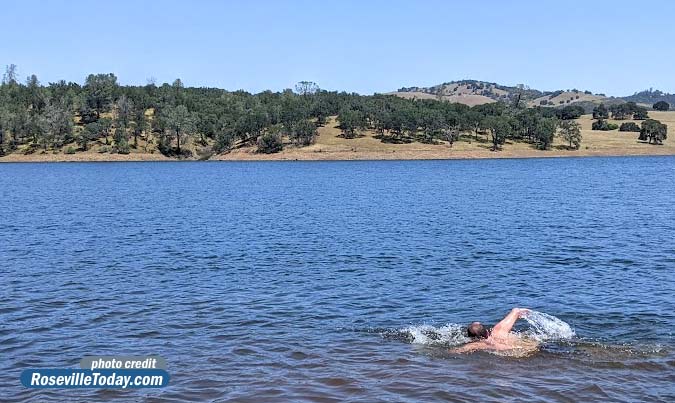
545,327
447,335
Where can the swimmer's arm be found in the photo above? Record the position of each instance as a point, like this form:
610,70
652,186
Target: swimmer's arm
503,328
469,347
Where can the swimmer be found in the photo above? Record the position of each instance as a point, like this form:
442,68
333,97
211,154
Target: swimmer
499,338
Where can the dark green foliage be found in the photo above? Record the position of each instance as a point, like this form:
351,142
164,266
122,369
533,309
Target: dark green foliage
270,143
629,127
640,114
545,131
350,122
303,132
603,125
653,131
661,106
183,120
99,92
122,146
570,131
600,112
178,124
570,112
224,140
89,133
499,128
623,111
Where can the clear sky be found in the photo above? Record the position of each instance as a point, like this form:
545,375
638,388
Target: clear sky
616,47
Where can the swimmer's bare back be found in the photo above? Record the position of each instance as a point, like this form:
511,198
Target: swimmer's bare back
501,339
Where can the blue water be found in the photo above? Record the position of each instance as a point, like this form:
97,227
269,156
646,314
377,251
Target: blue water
299,281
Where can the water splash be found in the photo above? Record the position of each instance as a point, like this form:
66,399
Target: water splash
545,327
448,335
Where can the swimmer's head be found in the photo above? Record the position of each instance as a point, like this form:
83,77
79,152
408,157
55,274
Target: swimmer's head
476,331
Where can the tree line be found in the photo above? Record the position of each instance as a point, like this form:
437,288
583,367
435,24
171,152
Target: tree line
39,118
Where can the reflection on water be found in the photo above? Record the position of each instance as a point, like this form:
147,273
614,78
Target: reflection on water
341,281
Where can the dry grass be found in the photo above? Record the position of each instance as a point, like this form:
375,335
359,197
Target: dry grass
331,146
460,98
571,96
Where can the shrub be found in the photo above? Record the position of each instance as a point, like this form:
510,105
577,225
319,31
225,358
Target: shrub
603,125
70,150
269,143
640,114
570,112
303,132
122,147
629,127
103,149
224,141
661,106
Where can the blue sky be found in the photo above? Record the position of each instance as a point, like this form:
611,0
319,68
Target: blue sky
362,46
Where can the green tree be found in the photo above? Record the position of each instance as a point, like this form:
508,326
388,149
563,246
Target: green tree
179,124
600,112
11,76
224,139
546,128
105,125
124,111
270,143
629,127
499,129
89,133
350,122
570,131
603,125
661,106
100,91
306,88
653,131
570,112
303,132
472,120
640,114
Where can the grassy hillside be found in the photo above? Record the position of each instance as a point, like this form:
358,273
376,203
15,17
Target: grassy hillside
473,92
469,92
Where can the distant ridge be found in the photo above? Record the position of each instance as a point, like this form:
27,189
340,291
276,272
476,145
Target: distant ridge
475,92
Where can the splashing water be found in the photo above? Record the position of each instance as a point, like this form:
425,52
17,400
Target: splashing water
448,335
545,327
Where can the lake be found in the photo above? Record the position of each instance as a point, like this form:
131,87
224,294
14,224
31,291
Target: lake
341,281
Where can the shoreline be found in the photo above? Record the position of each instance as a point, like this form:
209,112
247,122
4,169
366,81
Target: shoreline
329,145
336,156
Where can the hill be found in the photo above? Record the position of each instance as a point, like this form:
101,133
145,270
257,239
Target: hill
562,98
474,92
650,97
469,92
